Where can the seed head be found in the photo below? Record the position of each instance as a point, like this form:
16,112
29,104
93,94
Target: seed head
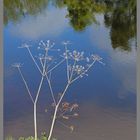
78,69
17,65
96,57
77,56
24,46
46,45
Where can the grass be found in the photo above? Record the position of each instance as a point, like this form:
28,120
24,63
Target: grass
42,137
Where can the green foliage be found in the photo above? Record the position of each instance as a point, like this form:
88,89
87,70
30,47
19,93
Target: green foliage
119,15
29,138
14,10
42,137
9,138
81,13
122,21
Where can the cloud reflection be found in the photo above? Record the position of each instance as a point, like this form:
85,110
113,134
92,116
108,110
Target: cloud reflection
122,63
51,22
124,66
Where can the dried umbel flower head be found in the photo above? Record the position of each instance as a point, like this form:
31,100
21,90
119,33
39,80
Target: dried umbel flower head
78,69
24,46
73,107
46,45
96,57
77,66
75,55
67,110
65,105
17,65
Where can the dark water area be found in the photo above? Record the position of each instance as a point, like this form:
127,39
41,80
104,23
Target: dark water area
106,98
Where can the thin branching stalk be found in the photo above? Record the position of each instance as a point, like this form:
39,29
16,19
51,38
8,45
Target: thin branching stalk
35,107
71,80
55,112
73,73
50,75
53,122
67,63
58,103
34,60
38,91
55,66
36,99
26,85
39,88
49,83
35,122
51,90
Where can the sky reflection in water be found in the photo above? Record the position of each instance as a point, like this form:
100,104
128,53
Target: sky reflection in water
107,96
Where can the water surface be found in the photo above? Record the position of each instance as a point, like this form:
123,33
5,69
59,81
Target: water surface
107,97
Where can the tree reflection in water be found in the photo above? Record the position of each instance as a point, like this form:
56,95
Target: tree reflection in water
15,10
119,16
81,13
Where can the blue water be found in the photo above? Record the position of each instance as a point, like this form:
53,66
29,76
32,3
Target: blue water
108,91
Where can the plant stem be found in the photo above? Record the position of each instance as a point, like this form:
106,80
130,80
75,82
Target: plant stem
53,123
55,66
55,112
35,122
67,63
51,90
34,60
35,106
26,85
